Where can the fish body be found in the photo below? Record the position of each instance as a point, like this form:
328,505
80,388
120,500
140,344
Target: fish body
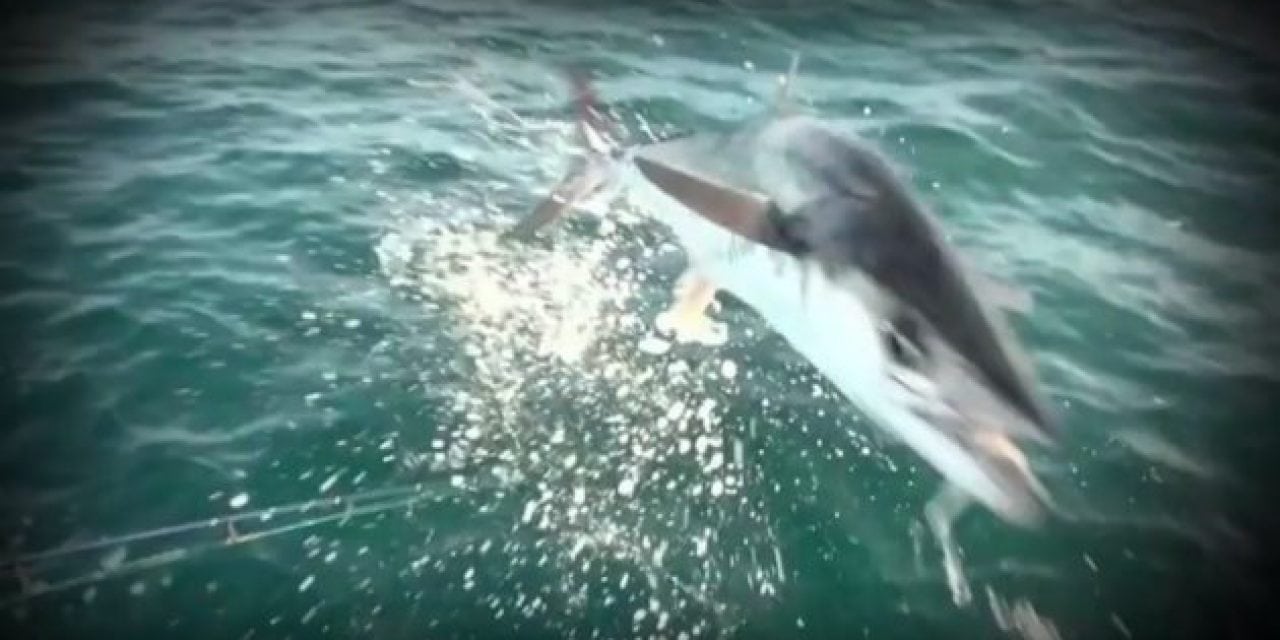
815,231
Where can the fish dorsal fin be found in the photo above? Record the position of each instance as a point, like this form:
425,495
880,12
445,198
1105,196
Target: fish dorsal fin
782,102
748,215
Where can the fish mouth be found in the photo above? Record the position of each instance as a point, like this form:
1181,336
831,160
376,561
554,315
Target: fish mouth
1023,500
977,431
996,473
911,384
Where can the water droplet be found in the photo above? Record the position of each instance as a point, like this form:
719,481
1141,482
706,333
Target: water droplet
653,346
717,461
330,481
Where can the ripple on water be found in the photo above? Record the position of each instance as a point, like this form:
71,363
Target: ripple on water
260,265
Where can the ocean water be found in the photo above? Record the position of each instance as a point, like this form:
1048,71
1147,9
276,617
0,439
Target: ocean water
270,373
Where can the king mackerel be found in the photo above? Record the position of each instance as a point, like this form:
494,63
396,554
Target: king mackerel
816,233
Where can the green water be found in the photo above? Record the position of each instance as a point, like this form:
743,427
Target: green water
249,263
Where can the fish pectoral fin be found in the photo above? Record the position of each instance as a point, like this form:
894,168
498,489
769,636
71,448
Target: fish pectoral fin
747,214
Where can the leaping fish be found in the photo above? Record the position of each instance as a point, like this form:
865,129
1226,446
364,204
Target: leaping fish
815,231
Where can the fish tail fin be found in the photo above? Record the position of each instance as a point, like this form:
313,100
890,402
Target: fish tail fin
597,130
578,184
599,137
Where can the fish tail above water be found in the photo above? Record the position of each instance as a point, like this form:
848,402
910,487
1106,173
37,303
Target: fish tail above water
600,139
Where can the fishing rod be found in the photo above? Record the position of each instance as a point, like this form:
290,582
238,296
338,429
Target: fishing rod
264,513
29,589
26,569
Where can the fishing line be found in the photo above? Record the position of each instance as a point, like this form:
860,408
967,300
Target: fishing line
27,568
264,513
182,553
159,532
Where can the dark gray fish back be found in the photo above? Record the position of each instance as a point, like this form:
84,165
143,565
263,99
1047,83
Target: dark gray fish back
870,221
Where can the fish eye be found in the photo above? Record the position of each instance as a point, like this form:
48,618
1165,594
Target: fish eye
901,341
895,344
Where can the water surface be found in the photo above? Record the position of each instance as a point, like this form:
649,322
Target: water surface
251,268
